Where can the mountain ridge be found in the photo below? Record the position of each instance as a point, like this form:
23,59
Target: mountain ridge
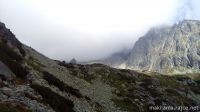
167,49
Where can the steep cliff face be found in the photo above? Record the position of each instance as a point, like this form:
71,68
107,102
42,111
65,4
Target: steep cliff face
168,49
31,82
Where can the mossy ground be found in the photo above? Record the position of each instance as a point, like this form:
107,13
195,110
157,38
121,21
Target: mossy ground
35,64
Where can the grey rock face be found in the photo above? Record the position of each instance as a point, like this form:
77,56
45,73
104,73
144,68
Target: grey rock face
168,49
5,72
22,95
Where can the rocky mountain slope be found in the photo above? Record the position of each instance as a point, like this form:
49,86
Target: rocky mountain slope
174,49
31,82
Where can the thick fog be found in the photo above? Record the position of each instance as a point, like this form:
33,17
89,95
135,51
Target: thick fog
89,29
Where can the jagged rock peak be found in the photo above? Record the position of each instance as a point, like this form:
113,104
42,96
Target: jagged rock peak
168,49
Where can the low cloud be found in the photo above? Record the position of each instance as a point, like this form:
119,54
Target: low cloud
89,29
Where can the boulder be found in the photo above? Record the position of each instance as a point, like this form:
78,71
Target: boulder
5,72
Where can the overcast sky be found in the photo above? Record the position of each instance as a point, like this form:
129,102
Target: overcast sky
89,29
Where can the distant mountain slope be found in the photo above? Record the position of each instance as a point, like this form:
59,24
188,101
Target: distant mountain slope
115,59
173,49
31,82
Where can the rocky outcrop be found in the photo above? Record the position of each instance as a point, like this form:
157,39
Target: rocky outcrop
5,72
24,97
168,49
